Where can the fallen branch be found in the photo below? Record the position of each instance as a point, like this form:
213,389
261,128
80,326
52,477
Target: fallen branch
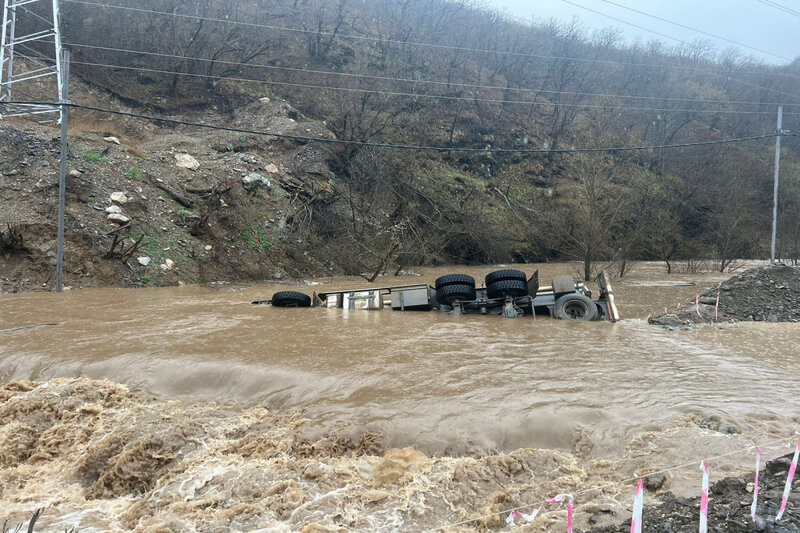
175,195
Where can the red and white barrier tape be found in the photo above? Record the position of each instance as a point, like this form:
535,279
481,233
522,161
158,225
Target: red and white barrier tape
788,488
704,499
755,486
716,309
697,306
638,506
531,517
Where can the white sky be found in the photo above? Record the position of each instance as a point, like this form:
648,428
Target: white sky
750,22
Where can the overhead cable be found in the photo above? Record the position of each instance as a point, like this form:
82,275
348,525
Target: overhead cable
323,140
417,81
780,7
428,96
405,43
678,24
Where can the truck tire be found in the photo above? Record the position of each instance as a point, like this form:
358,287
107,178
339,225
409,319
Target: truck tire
291,299
503,275
575,307
454,279
450,293
507,287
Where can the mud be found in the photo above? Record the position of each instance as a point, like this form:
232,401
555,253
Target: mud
763,294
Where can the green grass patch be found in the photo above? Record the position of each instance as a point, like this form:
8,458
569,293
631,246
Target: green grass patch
257,239
93,158
133,173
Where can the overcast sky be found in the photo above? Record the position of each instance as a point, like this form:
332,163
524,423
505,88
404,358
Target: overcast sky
751,22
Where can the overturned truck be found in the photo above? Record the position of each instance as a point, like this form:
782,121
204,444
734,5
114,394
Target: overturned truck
508,293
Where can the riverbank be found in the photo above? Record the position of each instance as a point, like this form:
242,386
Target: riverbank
729,506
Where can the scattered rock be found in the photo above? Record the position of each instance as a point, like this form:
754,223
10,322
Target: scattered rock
264,100
208,247
187,161
168,265
119,198
114,209
75,173
655,482
117,218
144,261
111,139
255,181
271,168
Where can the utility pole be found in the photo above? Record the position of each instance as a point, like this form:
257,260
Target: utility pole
62,175
777,179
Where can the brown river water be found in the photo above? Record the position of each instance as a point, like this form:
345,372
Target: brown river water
488,413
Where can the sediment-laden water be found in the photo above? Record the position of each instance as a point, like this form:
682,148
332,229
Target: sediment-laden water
218,415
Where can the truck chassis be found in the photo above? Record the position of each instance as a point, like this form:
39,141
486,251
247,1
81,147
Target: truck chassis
505,294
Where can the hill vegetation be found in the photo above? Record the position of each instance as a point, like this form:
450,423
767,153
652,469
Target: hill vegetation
454,74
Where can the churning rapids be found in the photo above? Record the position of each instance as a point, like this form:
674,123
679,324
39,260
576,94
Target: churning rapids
188,408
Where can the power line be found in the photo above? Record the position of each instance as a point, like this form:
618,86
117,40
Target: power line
417,81
429,96
418,43
780,7
366,144
694,29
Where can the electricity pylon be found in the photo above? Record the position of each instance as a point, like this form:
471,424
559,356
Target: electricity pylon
32,35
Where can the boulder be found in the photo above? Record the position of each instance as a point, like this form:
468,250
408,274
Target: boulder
187,161
119,198
144,261
114,209
255,181
271,168
168,265
113,140
118,218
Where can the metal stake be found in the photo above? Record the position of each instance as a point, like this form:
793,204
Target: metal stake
62,176
777,179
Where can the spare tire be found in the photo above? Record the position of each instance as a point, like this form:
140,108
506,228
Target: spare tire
291,299
575,307
503,275
450,293
454,279
507,287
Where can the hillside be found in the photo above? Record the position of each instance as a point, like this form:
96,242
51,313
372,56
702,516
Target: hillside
435,73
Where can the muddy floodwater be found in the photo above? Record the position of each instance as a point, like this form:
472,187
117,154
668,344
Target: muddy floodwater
586,404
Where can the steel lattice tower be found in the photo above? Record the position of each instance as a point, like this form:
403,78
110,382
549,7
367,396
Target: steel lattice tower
41,29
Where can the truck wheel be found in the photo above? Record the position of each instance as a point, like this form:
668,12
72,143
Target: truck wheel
291,299
507,287
575,307
503,275
450,293
454,279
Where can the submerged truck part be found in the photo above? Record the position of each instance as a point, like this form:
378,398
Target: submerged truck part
507,293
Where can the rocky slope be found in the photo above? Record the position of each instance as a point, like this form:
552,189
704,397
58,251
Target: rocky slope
151,205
